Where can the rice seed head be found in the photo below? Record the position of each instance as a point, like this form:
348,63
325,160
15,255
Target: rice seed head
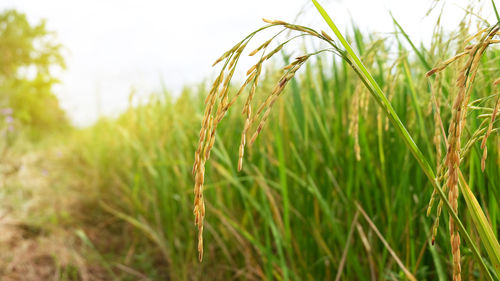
431,203
273,52
497,81
199,207
228,53
446,63
452,159
243,138
459,111
218,102
263,46
274,22
278,89
431,72
483,159
249,71
434,230
474,36
220,59
326,35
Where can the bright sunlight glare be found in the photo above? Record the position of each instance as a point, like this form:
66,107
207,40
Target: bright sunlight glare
114,48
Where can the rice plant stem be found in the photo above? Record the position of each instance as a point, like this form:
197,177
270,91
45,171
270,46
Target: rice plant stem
346,247
419,54
495,9
379,96
386,244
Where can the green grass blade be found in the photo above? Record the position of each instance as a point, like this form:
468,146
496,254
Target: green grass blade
414,98
435,255
482,225
495,9
419,54
386,244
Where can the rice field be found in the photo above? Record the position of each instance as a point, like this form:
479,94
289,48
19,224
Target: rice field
363,157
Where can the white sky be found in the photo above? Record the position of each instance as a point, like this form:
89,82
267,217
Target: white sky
113,46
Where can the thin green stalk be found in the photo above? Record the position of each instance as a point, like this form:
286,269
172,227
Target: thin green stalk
419,54
495,9
435,256
414,98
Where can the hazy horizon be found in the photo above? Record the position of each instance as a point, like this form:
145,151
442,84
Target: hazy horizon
115,47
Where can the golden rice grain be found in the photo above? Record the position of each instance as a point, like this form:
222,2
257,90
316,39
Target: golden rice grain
326,35
218,103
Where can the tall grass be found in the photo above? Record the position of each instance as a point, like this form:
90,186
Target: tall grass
329,188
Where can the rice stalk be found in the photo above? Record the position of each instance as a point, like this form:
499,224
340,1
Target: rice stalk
387,246
459,112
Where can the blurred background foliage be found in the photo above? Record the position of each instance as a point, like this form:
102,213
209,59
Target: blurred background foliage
29,57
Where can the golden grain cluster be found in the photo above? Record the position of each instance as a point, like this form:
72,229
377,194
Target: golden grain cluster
217,104
459,112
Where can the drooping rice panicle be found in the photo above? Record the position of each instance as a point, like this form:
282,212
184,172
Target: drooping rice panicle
218,103
459,112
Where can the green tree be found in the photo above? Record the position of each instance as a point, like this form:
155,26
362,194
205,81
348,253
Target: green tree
29,54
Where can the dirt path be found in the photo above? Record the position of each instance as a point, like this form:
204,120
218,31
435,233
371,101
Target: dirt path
40,238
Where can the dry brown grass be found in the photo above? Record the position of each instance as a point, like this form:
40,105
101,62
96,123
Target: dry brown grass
32,246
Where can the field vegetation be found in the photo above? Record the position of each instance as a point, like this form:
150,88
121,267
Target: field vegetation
369,157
